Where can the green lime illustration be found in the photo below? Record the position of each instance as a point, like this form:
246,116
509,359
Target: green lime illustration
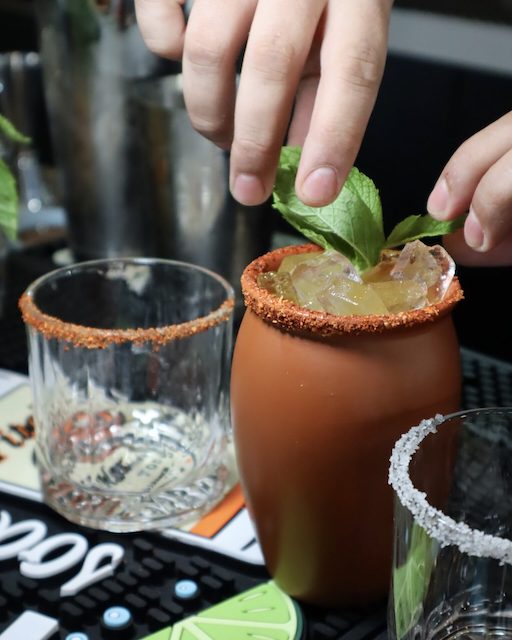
261,613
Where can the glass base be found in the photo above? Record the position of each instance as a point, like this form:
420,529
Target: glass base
473,621
474,632
133,512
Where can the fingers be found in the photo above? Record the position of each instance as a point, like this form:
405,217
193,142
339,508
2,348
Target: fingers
478,177
499,256
162,25
273,62
303,110
216,33
282,37
490,213
306,93
353,56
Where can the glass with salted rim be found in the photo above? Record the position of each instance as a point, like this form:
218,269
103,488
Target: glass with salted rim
129,367
317,402
452,478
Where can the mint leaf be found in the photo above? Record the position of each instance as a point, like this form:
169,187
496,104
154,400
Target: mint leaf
307,220
365,188
352,224
410,581
289,159
415,227
8,202
10,131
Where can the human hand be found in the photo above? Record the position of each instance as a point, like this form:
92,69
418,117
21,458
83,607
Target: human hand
311,67
478,178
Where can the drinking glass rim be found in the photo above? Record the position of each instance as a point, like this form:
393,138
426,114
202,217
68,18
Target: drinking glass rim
99,338
445,530
291,317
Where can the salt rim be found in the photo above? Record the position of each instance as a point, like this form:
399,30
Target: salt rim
439,526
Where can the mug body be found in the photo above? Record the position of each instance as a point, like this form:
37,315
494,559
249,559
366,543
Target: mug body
315,414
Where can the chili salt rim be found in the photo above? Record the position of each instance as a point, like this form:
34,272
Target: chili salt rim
291,317
439,526
97,338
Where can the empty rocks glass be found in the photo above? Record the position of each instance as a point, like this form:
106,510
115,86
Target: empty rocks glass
129,365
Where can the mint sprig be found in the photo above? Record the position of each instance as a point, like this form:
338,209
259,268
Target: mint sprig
9,203
352,224
411,580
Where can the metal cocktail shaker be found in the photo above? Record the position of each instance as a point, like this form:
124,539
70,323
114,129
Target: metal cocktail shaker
136,178
91,51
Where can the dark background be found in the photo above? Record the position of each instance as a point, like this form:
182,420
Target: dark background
424,111
17,28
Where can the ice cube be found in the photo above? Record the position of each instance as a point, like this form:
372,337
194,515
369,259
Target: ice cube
431,265
447,265
327,264
415,263
280,284
327,281
381,271
307,290
289,263
401,295
344,296
312,276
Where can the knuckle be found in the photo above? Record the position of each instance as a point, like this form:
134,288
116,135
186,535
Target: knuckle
162,35
455,172
338,135
464,155
491,202
273,59
493,209
211,128
451,175
203,53
362,68
253,150
161,46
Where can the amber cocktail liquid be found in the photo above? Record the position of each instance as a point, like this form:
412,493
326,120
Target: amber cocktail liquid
413,278
318,400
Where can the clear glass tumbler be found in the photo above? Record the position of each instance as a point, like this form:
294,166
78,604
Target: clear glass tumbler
452,574
129,366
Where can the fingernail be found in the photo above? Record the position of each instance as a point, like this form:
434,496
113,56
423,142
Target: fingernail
437,204
473,233
248,189
320,186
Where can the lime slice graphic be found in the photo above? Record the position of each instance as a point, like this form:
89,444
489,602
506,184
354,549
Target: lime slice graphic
261,613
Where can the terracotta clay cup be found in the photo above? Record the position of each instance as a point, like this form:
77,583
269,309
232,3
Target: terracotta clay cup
317,404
